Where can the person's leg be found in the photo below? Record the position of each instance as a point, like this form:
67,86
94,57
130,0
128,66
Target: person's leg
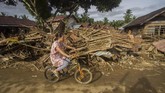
68,60
65,64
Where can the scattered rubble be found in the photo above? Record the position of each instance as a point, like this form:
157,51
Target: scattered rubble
104,47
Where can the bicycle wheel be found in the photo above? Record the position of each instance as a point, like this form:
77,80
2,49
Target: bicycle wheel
84,76
50,75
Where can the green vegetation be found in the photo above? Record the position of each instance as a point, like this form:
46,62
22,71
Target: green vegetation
15,16
23,17
44,9
3,14
85,18
39,9
105,20
128,16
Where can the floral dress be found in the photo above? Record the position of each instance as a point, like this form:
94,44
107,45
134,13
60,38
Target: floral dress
55,57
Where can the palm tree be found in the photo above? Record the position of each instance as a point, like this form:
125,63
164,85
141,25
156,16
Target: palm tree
3,14
24,17
15,16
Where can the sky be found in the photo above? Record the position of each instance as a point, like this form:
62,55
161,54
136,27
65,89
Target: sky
138,7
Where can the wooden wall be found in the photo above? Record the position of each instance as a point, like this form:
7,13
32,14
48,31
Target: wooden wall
154,28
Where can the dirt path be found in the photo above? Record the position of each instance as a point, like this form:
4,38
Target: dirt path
119,81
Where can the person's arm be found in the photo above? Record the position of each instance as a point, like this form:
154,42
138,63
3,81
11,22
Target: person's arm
62,52
70,47
67,46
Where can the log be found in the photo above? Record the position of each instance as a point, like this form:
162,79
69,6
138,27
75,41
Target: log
42,49
78,49
94,32
7,40
34,37
99,38
90,52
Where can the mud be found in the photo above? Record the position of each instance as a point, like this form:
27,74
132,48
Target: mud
118,81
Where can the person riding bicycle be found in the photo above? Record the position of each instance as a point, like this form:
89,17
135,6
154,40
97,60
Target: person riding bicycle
58,57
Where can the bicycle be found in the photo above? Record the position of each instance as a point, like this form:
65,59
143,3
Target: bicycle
81,74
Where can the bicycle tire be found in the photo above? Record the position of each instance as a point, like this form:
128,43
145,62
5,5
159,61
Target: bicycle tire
88,75
50,75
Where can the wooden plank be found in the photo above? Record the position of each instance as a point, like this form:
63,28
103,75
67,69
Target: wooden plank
42,49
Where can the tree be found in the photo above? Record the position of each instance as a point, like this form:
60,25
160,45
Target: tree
15,16
91,20
41,8
134,17
128,16
105,20
72,5
84,17
9,2
117,23
66,5
24,17
3,14
99,22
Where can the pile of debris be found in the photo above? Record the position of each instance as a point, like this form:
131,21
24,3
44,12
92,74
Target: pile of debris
95,45
113,46
23,46
153,50
89,40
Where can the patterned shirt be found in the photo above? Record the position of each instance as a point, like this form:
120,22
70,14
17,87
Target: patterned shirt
55,56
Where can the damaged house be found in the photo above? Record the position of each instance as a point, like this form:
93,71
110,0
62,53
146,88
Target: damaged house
149,25
71,22
10,26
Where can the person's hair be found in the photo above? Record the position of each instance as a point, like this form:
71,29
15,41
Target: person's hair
57,36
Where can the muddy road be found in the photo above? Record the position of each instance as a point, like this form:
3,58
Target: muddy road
118,81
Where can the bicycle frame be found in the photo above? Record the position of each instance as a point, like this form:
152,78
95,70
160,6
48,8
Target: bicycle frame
74,66
74,69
